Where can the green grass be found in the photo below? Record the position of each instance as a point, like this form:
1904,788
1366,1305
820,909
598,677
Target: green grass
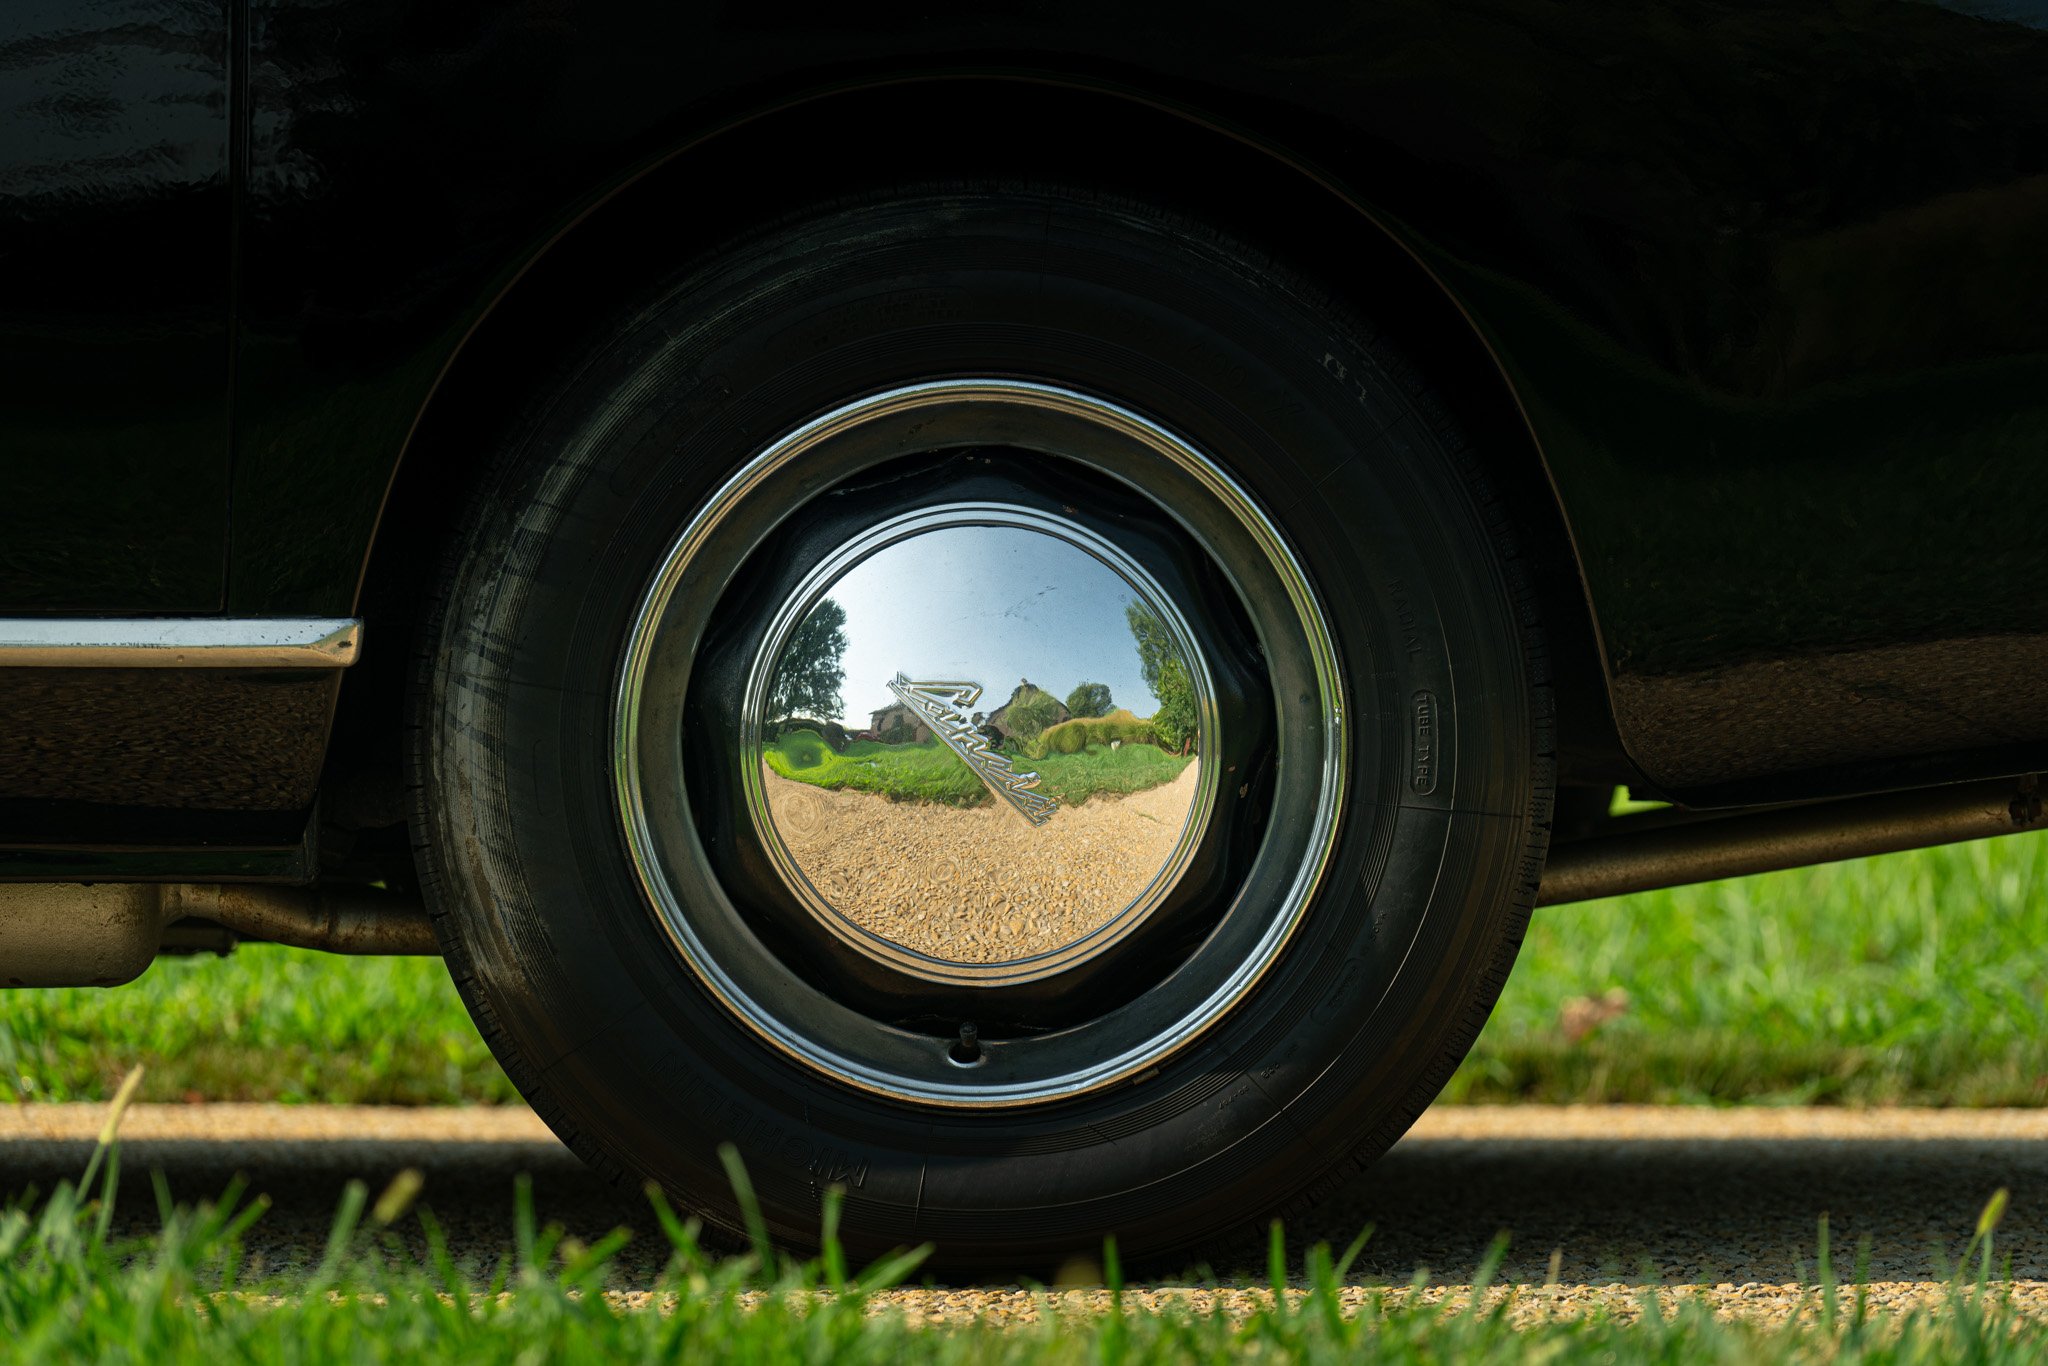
931,772
264,1023
1915,978
1074,778
70,1290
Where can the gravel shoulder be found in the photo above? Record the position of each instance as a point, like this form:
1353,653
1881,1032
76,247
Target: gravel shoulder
1673,1201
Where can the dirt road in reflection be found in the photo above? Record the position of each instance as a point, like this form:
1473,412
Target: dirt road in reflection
979,884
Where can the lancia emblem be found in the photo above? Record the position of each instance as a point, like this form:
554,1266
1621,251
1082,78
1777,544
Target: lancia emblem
943,707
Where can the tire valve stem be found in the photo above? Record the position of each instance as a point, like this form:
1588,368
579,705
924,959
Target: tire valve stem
967,1049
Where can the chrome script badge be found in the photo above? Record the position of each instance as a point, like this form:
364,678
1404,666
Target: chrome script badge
942,705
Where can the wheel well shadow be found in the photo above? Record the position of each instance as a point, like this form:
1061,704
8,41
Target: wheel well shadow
852,141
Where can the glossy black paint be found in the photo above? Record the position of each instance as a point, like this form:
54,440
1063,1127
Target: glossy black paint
1767,282
141,773
115,240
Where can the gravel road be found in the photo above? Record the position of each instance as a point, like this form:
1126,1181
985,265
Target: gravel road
1624,1197
979,884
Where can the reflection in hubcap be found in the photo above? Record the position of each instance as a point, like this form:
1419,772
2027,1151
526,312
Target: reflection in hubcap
980,846
938,705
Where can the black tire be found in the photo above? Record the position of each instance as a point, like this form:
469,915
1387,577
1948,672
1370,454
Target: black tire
1395,964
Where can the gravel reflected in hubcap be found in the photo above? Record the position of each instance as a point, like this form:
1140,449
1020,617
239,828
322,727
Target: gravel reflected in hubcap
966,833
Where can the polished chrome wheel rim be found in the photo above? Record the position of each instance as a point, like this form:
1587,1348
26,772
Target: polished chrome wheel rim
981,974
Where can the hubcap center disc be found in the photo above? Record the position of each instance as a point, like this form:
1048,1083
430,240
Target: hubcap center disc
975,744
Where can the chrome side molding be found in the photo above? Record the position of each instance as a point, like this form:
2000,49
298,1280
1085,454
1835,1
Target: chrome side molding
179,642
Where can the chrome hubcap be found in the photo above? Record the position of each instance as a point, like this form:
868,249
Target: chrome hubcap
949,744
998,791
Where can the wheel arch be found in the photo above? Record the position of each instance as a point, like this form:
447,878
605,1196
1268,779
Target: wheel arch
751,170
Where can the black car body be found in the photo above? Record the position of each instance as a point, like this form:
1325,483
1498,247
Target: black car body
1747,302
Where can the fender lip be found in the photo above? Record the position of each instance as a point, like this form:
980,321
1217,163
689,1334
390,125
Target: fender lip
180,642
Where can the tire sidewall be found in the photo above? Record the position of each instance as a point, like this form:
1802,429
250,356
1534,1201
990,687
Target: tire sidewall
1397,957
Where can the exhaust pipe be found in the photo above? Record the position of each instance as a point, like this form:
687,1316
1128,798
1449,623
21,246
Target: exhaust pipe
1644,853
69,934
333,918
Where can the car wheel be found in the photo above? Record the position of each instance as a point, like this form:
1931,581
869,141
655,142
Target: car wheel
752,808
